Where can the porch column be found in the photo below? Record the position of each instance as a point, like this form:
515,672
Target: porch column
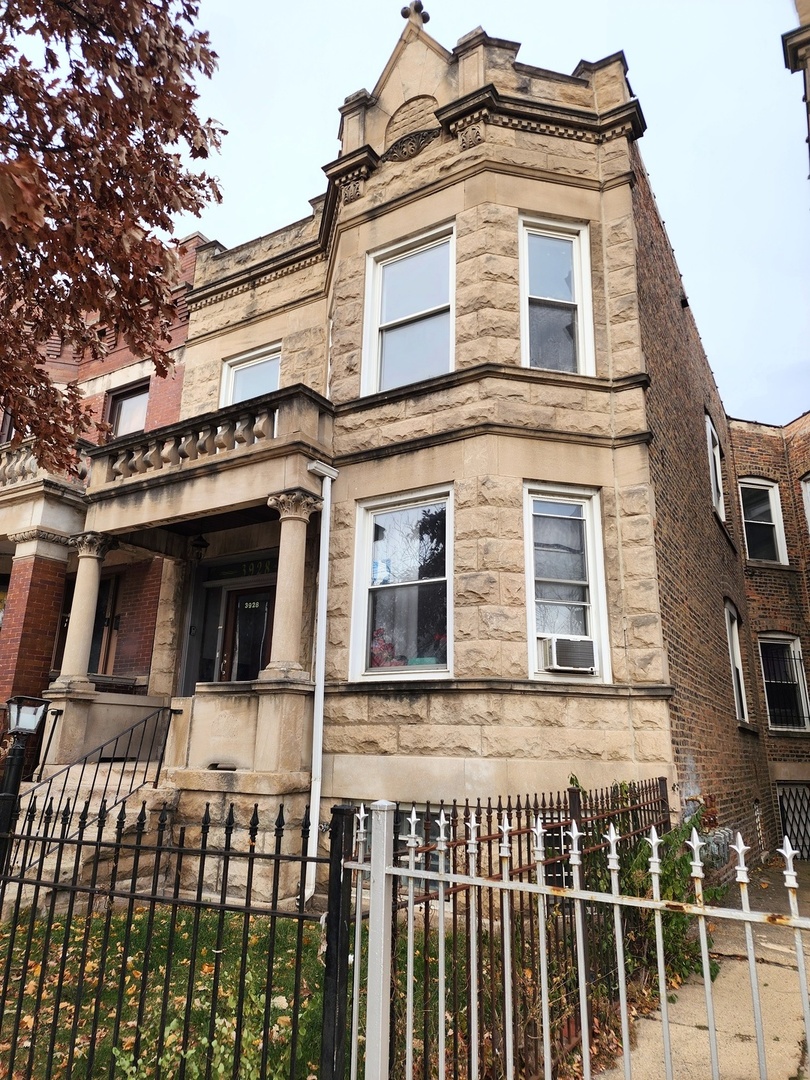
295,509
91,548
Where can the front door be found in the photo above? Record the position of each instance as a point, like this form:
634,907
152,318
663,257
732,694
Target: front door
248,633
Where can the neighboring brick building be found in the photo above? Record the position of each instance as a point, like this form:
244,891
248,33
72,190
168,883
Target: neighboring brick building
442,500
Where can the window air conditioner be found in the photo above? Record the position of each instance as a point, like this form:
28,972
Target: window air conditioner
568,654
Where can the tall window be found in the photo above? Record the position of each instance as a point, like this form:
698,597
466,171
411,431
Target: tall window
569,622
403,571
409,328
785,684
735,658
250,375
6,426
557,321
127,409
715,469
762,518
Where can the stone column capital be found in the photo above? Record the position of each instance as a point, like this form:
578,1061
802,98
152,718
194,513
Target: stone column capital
48,537
298,504
93,543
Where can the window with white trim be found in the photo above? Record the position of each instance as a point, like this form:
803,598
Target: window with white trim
568,617
735,659
556,305
126,409
402,600
762,520
785,683
715,468
250,375
409,316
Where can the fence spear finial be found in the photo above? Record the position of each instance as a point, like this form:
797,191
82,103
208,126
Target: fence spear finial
612,838
695,843
789,853
506,847
741,869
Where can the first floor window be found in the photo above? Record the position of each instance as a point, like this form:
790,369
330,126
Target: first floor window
785,685
250,375
404,583
568,624
735,657
762,518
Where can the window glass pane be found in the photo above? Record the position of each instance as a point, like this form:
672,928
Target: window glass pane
129,413
251,380
552,337
555,590
782,671
210,636
563,619
761,541
250,631
559,548
416,282
551,267
408,544
408,626
417,350
757,504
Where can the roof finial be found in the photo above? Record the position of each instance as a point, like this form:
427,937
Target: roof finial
416,13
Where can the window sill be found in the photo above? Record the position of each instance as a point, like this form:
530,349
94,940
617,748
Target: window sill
790,733
749,729
769,564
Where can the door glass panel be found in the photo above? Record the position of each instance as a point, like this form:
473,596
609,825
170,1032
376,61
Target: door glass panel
249,634
210,636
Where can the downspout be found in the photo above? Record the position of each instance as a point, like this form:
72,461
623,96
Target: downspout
327,474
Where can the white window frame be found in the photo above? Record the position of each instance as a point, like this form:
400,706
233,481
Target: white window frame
590,500
232,364
715,468
776,516
579,234
360,607
735,661
370,367
806,499
795,647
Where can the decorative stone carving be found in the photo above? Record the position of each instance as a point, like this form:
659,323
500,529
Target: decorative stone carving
352,190
93,543
295,504
38,534
471,136
410,145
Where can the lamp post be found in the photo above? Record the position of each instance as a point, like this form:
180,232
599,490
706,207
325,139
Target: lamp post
25,715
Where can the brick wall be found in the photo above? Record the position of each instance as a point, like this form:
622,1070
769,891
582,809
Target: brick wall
698,555
137,606
30,624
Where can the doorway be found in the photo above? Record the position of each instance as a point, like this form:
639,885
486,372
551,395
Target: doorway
247,633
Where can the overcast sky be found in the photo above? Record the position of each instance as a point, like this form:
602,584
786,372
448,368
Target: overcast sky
725,145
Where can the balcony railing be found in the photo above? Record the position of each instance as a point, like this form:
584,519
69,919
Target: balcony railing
232,430
18,465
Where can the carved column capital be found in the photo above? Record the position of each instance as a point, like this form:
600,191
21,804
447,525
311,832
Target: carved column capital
298,505
93,543
28,535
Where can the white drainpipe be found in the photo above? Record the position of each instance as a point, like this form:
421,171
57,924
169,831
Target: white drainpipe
327,474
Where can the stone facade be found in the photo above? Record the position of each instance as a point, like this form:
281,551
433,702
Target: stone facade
244,519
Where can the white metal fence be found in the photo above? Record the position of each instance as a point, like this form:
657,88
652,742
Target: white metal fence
471,993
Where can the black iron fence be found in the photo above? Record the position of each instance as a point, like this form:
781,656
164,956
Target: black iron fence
632,808
155,953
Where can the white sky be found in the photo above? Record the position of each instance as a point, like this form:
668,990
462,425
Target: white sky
725,146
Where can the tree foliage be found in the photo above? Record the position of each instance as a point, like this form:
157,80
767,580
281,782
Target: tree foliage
97,113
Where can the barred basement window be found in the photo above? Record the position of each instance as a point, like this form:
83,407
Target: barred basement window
785,684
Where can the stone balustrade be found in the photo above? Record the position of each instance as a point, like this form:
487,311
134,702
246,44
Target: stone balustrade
18,465
197,440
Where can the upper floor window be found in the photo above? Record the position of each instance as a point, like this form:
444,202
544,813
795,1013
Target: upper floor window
409,319
557,325
568,621
785,684
735,657
403,571
250,375
762,518
715,469
6,426
127,409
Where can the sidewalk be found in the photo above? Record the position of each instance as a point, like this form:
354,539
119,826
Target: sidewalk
780,999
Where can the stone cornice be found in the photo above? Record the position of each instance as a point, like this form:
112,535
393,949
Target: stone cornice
796,48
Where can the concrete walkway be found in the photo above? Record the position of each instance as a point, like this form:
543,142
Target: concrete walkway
780,998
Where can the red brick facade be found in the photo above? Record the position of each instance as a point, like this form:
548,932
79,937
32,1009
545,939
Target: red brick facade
698,554
30,624
137,610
